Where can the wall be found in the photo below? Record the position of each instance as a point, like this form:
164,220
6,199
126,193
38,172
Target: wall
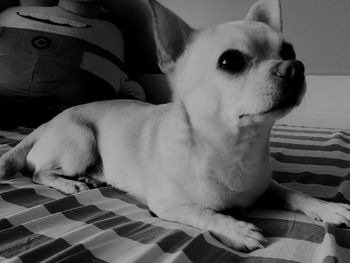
326,103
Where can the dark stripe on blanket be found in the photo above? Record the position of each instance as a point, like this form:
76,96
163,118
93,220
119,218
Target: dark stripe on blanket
4,224
8,141
320,161
168,240
16,240
111,192
13,143
309,178
22,130
311,138
70,202
311,131
309,127
32,248
325,148
62,204
200,251
60,251
26,197
342,235
5,187
289,229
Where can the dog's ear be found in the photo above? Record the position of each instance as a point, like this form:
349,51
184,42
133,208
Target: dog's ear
268,12
171,35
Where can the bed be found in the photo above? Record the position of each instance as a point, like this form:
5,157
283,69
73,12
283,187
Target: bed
40,224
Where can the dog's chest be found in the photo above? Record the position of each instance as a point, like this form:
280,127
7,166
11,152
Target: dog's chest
236,179
222,188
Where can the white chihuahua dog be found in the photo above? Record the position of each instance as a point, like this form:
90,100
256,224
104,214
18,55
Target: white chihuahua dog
206,151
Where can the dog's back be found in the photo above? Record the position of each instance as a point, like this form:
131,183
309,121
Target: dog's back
118,132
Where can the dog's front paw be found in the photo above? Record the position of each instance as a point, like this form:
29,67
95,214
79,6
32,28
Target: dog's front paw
71,187
242,236
331,213
92,183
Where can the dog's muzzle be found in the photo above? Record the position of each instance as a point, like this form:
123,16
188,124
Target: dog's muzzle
291,77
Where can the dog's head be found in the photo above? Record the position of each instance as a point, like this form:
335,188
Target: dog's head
240,72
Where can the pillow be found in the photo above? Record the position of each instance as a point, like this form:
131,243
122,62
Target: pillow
52,59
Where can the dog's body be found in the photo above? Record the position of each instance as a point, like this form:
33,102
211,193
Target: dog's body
204,152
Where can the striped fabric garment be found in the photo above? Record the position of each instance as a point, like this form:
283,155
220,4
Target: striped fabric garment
40,224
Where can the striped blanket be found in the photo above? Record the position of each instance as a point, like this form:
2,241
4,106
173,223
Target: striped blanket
40,224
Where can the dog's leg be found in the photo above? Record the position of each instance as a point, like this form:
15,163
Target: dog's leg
66,149
327,212
64,185
15,159
234,233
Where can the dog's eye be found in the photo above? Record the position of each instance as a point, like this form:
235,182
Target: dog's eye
232,61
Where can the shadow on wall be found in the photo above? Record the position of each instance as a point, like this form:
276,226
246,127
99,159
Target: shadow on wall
134,19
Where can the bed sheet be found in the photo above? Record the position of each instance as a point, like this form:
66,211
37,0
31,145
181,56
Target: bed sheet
40,224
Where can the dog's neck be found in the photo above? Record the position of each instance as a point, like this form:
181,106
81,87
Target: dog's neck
246,146
237,159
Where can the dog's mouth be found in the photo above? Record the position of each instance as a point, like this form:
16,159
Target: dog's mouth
276,110
287,101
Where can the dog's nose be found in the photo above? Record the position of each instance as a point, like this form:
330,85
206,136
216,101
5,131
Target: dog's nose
290,70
